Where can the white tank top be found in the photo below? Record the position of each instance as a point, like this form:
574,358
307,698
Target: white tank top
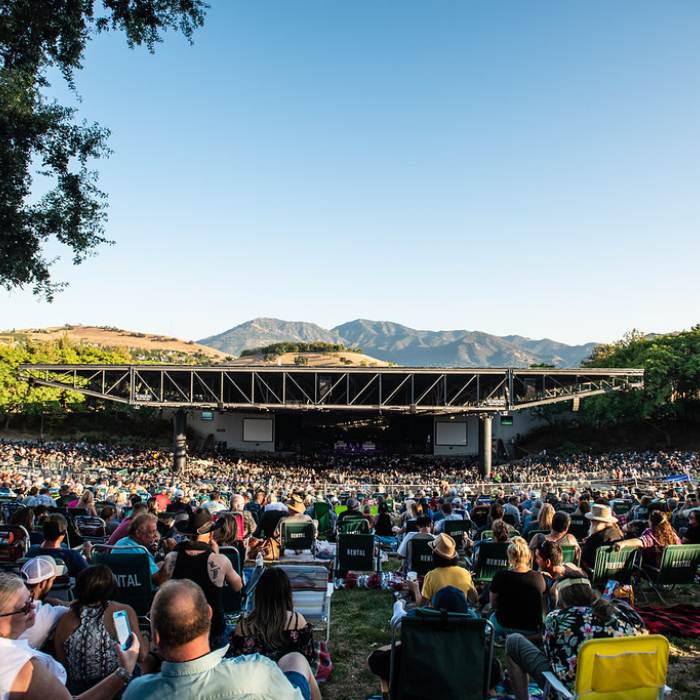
14,654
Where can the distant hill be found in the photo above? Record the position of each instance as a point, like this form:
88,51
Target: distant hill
393,342
143,347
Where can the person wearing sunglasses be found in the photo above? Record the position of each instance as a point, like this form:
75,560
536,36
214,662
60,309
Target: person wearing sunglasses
34,675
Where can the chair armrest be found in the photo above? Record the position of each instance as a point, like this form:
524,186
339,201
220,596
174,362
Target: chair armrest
557,685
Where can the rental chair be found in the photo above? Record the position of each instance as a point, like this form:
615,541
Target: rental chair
571,554
457,529
90,528
678,567
311,593
411,525
443,655
610,564
618,668
578,526
355,552
420,556
14,543
486,535
480,515
492,557
132,572
232,600
322,514
532,533
298,536
352,526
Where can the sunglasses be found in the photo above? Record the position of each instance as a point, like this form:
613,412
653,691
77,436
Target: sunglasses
24,610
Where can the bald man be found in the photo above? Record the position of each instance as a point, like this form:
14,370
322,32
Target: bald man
180,619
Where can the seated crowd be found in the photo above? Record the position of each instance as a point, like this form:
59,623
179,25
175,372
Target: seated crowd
57,604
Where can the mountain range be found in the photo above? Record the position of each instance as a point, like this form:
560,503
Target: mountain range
393,342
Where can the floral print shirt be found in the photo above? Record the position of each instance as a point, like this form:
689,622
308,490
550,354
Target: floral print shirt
565,631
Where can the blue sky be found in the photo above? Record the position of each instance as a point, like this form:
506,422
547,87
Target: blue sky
509,167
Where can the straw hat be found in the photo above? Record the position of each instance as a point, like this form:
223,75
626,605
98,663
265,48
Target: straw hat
296,504
601,513
444,546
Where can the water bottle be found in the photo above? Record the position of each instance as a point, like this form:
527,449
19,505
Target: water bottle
259,560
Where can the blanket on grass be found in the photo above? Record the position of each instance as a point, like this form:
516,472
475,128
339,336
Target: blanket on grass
678,620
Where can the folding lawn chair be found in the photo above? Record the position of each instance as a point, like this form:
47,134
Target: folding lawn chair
322,514
311,593
232,599
350,526
619,668
492,557
457,529
355,552
678,567
90,528
419,556
571,554
612,565
298,536
443,655
579,526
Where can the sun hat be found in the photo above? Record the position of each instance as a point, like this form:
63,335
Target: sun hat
444,546
199,523
41,569
601,513
296,504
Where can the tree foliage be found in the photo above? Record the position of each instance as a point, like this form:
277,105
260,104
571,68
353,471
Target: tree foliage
35,132
671,366
277,349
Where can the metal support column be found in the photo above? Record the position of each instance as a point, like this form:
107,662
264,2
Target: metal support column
179,440
486,445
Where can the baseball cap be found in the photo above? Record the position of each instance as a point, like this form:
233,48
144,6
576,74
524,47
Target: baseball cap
41,569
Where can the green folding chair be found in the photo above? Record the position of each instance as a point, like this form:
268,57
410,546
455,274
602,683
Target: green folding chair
352,526
571,554
355,552
322,514
678,567
486,535
612,565
443,655
420,556
492,557
298,536
456,529
132,572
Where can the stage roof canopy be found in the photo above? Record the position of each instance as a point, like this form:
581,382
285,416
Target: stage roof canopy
401,389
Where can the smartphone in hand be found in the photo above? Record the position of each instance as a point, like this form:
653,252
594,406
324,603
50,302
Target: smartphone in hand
121,623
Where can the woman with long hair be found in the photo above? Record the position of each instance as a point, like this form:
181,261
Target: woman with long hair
85,637
87,501
654,539
580,615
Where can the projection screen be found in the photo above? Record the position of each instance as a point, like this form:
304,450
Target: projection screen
450,433
257,430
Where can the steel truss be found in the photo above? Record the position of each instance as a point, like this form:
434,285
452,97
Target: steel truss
402,389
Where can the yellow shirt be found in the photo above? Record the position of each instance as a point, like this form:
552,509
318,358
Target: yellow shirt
449,576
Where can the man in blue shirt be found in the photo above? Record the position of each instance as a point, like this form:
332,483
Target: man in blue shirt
191,671
55,528
143,533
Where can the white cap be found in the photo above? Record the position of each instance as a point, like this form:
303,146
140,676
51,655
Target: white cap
41,569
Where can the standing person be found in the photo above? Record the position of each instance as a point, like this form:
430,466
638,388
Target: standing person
580,616
86,636
603,531
192,671
273,628
32,675
199,560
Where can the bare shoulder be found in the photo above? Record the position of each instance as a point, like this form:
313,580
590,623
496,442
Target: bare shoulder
34,682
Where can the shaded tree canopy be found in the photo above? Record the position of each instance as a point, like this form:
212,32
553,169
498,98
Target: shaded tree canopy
40,137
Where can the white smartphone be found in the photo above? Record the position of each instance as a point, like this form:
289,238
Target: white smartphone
121,623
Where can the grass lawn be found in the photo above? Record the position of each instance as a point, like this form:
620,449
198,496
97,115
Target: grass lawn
360,623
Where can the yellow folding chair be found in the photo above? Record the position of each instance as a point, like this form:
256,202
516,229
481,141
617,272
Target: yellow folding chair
618,668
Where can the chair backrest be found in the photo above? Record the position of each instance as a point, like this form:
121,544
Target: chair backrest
355,552
74,512
532,533
309,590
322,514
297,536
420,556
633,668
8,509
91,528
443,655
578,526
487,534
350,526
456,529
493,556
679,564
621,507
412,525
232,599
132,571
14,543
610,564
571,553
